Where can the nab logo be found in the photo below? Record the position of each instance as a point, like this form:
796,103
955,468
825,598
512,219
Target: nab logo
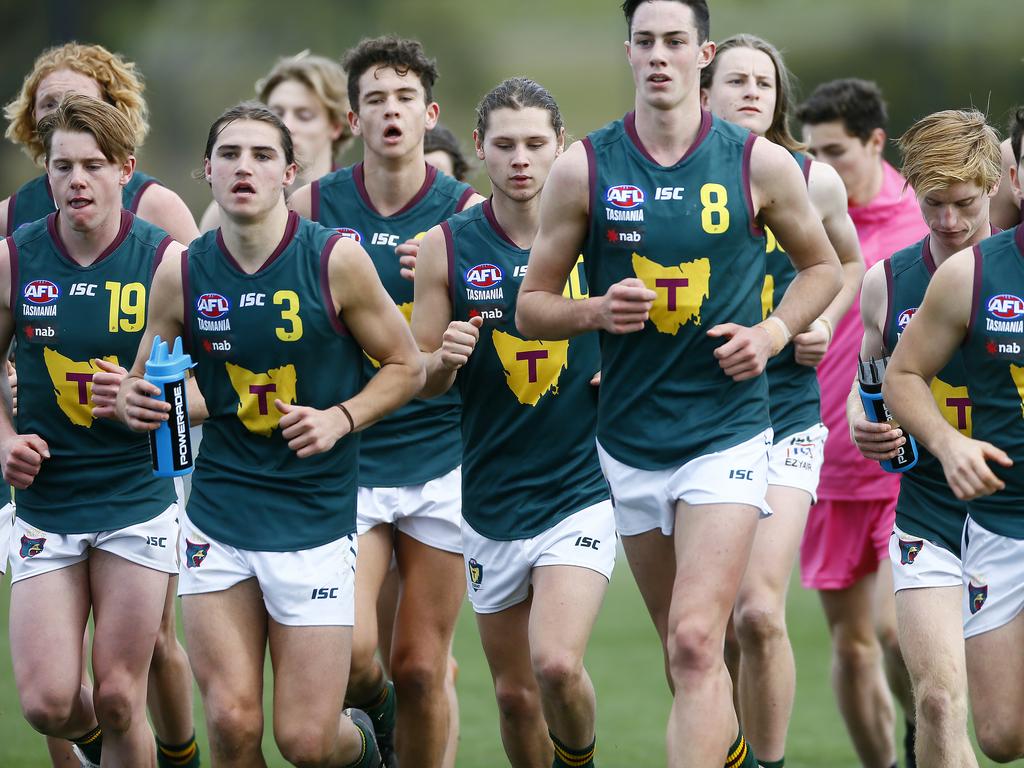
383,238
41,292
212,306
905,316
216,346
324,593
624,196
349,233
586,541
40,332
83,289
484,276
487,314
1012,348
669,193
1006,306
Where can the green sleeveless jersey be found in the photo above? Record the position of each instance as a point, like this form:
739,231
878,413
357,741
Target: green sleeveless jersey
792,388
926,507
688,232
99,476
420,441
256,338
528,409
993,355
34,199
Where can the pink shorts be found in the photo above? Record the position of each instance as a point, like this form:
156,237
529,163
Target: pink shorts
844,541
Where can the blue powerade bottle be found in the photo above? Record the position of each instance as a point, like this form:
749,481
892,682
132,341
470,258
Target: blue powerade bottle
870,379
170,444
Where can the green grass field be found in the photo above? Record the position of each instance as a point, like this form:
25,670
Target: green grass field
625,663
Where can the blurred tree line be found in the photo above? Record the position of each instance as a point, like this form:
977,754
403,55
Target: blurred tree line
200,57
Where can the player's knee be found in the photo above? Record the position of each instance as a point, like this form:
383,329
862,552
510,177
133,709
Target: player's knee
889,640
694,647
516,701
758,623
416,674
305,745
364,661
557,671
853,650
48,711
115,700
233,724
939,708
999,743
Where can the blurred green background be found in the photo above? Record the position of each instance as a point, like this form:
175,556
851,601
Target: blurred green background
200,57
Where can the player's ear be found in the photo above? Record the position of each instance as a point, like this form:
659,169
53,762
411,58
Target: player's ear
478,141
353,123
207,171
1015,183
127,169
876,141
560,140
433,113
706,54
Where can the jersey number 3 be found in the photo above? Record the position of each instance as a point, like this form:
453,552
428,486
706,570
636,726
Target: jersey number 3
290,314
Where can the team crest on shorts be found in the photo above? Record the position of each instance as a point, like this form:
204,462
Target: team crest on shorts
909,550
195,554
977,595
476,574
31,547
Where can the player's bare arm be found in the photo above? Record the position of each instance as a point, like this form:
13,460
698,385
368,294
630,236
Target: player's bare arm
4,206
542,311
21,456
301,201
828,195
136,405
877,441
927,344
210,218
163,207
408,251
446,343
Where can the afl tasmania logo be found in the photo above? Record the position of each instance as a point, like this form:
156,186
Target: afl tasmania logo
905,316
484,276
1006,306
624,196
213,306
41,292
350,233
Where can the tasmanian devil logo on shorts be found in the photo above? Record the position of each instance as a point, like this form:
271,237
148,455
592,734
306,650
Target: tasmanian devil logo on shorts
31,547
195,553
977,596
909,550
476,574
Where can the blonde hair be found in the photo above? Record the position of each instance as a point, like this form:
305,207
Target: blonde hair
78,113
950,147
322,76
119,82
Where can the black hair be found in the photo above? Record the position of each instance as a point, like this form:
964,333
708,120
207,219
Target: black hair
1017,132
251,110
518,93
440,139
858,103
701,15
399,54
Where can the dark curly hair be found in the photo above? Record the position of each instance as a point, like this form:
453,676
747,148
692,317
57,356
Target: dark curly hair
440,139
858,103
1017,132
397,53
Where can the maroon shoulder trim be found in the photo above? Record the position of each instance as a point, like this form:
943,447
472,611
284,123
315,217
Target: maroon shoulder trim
588,147
314,201
496,225
926,256
160,251
993,229
325,286
449,246
1018,238
12,249
186,297
748,194
134,207
806,167
463,199
890,287
975,294
10,214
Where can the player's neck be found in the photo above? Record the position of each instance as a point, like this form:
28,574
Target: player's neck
321,166
85,246
252,241
519,219
668,134
870,189
392,182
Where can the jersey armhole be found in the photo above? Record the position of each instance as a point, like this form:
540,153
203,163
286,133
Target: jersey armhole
588,147
160,251
314,201
464,198
12,251
325,286
186,298
134,207
975,295
756,230
449,247
808,162
10,215
889,289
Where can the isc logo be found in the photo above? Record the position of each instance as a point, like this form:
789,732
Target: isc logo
484,276
212,305
350,233
586,541
324,593
383,238
83,289
156,541
252,300
669,193
1006,306
41,292
519,270
741,474
905,316
624,196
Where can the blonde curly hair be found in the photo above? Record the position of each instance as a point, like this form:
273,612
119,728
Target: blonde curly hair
119,81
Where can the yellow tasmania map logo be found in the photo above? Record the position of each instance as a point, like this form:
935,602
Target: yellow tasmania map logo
257,392
532,368
955,404
72,384
406,310
681,291
1017,372
767,296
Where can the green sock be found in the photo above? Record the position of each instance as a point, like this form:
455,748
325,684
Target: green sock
369,757
740,754
772,763
178,755
91,744
383,708
567,757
